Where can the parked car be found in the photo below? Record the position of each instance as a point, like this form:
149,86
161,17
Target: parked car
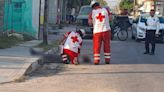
138,28
82,21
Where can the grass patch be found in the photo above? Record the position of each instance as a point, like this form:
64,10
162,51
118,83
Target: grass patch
49,46
27,37
7,42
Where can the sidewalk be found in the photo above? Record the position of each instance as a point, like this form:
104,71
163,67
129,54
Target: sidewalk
15,61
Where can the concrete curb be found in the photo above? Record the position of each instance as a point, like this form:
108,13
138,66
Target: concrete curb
33,67
49,56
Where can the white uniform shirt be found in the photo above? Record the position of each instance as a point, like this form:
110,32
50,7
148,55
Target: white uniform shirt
73,42
153,23
100,18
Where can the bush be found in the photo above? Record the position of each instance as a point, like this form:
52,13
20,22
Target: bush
125,4
28,37
47,47
9,41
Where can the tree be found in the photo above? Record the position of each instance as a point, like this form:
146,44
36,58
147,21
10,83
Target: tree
45,38
87,2
126,4
102,2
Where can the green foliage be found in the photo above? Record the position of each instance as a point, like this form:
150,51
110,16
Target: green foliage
28,37
87,2
102,2
125,4
49,46
12,39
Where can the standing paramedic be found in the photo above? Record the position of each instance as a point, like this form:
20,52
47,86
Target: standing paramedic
152,30
99,18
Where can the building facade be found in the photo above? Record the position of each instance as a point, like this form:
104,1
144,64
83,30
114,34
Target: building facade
145,5
57,11
159,4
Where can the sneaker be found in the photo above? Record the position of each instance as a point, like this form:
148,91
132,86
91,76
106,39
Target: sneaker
75,61
96,62
66,62
107,62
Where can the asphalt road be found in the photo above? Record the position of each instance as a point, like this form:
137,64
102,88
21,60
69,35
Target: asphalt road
127,52
123,52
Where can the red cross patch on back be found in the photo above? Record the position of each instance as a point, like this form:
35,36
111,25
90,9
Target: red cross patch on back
100,17
74,39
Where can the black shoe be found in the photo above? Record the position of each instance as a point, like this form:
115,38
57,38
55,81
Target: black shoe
152,53
96,63
66,62
146,52
107,62
76,63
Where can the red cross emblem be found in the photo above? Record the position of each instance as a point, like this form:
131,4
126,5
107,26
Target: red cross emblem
74,39
100,17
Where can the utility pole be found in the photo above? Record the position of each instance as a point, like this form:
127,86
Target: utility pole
45,33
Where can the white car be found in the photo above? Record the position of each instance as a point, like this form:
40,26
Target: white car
138,28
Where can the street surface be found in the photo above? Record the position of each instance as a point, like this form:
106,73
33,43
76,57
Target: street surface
130,71
128,52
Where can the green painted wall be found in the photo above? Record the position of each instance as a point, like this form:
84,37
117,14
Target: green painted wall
18,17
1,15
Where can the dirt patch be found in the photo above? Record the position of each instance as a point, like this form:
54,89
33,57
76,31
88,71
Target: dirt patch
47,70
